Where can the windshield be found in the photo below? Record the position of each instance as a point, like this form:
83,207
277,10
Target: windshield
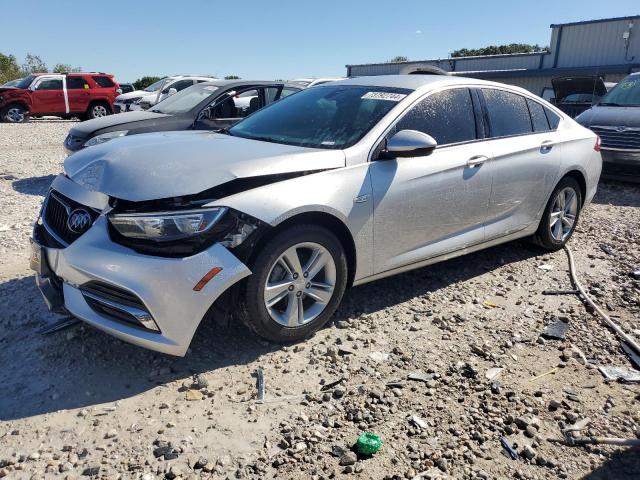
332,117
184,100
12,83
154,87
25,82
625,94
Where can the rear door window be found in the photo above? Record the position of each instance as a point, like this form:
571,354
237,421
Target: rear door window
74,83
447,116
103,81
538,117
508,113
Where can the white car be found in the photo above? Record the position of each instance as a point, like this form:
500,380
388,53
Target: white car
312,82
154,93
272,219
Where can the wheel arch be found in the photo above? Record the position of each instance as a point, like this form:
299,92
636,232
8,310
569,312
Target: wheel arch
327,220
579,177
100,101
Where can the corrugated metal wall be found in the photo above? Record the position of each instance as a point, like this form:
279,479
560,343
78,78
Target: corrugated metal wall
597,44
584,44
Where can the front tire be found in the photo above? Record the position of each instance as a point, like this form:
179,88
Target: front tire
14,114
560,215
298,281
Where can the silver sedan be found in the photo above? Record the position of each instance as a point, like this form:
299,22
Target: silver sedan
272,219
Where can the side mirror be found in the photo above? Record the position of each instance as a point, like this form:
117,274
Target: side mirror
119,91
172,91
409,143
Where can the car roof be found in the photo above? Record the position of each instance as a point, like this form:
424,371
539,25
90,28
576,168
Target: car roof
419,82
226,83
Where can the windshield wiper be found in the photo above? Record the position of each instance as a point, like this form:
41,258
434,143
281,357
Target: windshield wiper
224,131
610,104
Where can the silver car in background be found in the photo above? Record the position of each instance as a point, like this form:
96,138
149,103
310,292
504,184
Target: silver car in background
275,217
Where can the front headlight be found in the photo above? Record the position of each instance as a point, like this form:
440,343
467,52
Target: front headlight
132,100
105,137
165,227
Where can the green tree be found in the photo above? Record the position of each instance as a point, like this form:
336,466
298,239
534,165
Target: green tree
33,64
232,77
499,50
144,82
65,67
398,59
9,68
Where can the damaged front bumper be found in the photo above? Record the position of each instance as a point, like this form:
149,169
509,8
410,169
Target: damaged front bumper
145,300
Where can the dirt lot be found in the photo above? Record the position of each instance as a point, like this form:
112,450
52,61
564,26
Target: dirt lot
80,403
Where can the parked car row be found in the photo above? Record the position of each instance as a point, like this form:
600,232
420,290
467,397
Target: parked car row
273,216
205,106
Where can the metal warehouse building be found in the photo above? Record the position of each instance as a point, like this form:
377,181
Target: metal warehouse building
607,47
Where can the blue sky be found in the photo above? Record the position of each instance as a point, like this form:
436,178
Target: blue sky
267,40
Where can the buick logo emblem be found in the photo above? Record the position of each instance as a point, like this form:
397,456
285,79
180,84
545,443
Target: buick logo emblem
79,221
620,129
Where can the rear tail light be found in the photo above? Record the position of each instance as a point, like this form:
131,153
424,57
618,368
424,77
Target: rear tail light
596,147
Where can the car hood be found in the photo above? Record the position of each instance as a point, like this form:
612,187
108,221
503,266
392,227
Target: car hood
134,94
172,164
566,86
88,127
610,116
9,89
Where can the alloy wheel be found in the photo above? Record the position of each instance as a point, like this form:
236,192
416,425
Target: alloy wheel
15,114
99,111
300,284
563,214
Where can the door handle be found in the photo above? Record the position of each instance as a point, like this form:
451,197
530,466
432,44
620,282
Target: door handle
477,161
546,146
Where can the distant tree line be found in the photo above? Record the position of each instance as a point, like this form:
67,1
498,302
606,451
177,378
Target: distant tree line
499,50
10,69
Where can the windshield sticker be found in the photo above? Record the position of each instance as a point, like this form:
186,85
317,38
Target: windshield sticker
328,142
392,97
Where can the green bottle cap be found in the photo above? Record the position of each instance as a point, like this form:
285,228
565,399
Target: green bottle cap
368,443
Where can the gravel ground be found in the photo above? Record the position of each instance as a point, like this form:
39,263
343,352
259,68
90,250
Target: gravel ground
81,403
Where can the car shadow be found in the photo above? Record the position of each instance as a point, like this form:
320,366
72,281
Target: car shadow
619,194
622,465
37,186
81,367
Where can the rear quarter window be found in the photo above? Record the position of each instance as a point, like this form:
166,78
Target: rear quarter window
538,117
508,113
554,118
104,82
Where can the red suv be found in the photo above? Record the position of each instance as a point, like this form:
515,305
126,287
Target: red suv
83,95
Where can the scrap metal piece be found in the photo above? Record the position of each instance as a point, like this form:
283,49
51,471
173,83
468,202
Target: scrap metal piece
509,449
260,383
633,356
620,373
556,330
560,292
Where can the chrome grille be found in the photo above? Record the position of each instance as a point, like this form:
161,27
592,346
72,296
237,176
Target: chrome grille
614,137
55,216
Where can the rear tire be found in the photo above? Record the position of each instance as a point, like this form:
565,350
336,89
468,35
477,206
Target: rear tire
98,110
14,114
561,215
303,271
